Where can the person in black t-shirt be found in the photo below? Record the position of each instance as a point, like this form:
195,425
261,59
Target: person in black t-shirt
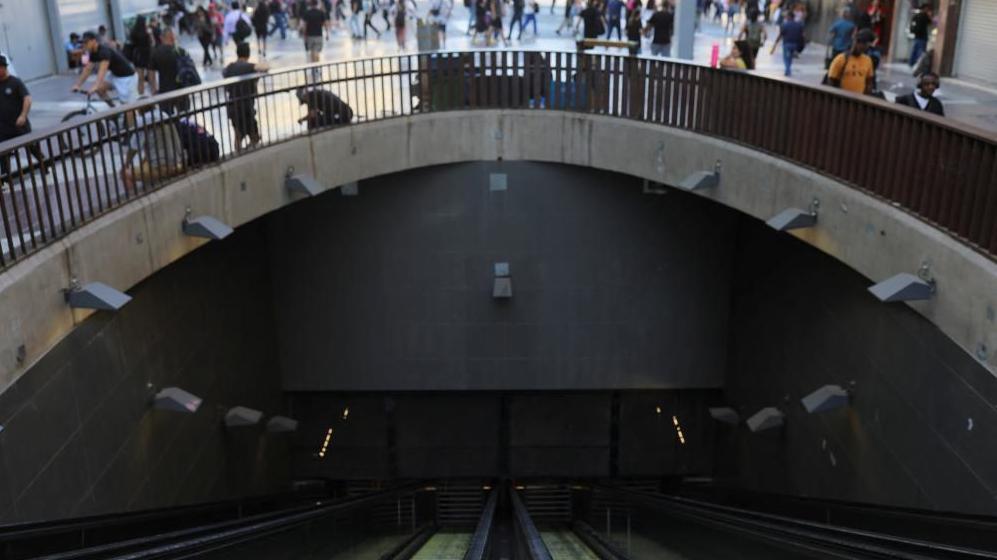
113,71
15,104
662,23
163,68
920,25
242,97
313,23
593,24
324,108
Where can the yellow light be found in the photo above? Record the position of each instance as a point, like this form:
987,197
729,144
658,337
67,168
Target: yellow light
486,487
325,443
346,413
675,420
657,409
520,488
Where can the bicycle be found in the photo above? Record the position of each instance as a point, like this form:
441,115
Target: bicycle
89,138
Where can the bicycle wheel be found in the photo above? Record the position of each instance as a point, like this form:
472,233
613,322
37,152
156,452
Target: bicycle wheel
84,139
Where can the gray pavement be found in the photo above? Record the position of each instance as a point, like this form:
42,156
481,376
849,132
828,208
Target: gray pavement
964,103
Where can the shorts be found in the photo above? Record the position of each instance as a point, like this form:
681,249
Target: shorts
126,87
661,50
313,44
243,120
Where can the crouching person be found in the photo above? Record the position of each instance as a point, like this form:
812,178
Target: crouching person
158,148
324,108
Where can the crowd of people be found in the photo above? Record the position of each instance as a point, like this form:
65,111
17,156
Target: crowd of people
150,60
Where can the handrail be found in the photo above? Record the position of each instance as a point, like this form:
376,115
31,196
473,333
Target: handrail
227,532
479,541
524,523
940,171
806,534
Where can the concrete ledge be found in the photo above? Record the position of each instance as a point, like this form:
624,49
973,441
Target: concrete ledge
133,242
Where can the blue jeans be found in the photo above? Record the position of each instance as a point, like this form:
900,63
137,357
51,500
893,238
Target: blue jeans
918,48
788,50
661,50
279,22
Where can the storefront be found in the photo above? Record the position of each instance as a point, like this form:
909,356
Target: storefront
976,42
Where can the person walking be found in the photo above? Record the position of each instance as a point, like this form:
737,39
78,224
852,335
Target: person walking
792,38
164,67
634,31
205,32
242,97
923,98
314,20
920,27
356,11
614,11
113,71
841,33
531,18
662,23
569,16
753,33
140,39
496,21
261,26
439,15
369,9
593,24
15,105
279,13
853,71
238,26
518,7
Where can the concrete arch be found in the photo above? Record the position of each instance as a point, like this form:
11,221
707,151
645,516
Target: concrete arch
128,245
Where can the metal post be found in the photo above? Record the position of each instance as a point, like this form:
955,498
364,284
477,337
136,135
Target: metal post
55,41
685,29
628,532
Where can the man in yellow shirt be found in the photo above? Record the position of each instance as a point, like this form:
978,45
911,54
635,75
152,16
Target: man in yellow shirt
853,70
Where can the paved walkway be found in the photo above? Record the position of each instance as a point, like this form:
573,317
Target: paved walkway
964,103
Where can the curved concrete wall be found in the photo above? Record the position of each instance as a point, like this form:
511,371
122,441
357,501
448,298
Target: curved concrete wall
133,242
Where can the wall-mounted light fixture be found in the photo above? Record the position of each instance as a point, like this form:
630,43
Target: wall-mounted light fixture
301,183
280,424
766,419
725,414
906,286
177,400
794,218
241,416
702,179
828,397
325,443
206,227
95,295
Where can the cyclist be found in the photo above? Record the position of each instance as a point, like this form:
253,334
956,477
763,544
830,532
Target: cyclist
113,71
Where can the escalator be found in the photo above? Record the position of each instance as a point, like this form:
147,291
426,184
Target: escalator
538,521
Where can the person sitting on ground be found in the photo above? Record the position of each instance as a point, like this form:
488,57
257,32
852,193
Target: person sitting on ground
324,108
735,59
923,98
853,70
74,50
113,71
156,143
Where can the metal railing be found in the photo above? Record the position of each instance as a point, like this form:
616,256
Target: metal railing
942,172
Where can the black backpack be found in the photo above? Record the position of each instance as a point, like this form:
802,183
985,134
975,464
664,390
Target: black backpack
187,75
200,146
242,30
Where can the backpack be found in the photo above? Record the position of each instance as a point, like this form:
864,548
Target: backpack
201,148
187,75
242,30
755,34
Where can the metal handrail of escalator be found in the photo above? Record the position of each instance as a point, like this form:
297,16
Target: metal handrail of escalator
217,535
802,534
479,541
524,523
